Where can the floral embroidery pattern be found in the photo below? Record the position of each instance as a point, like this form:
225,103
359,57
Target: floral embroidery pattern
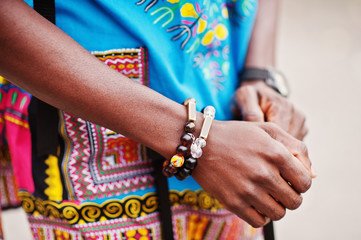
201,27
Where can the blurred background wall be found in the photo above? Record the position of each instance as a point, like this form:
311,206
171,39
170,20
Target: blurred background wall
319,50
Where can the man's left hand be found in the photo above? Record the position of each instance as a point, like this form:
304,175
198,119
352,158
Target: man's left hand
258,103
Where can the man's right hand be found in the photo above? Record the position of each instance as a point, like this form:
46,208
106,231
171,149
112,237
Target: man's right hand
256,170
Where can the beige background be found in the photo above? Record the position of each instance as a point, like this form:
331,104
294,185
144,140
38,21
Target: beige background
320,51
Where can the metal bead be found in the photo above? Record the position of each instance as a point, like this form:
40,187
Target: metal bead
189,100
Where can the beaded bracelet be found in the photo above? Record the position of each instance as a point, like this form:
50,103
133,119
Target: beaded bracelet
197,145
184,161
171,167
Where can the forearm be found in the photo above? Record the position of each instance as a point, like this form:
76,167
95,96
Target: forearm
43,60
261,50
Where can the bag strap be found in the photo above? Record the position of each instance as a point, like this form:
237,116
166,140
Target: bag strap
46,8
161,183
268,231
45,120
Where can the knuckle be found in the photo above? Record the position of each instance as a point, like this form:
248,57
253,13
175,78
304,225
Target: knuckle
232,204
252,115
303,133
265,176
305,130
306,184
258,223
300,115
271,129
302,119
283,104
302,148
295,202
249,191
280,156
278,214
244,90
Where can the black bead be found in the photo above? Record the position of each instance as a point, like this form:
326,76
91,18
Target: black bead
183,173
190,163
182,150
169,171
181,178
166,171
173,170
186,139
190,127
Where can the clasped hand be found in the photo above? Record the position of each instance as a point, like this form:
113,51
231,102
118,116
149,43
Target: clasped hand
256,169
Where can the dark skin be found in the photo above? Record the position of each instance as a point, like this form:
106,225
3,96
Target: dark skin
251,179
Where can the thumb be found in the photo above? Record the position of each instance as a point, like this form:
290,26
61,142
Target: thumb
247,100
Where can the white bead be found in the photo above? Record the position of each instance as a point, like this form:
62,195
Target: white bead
197,154
200,142
209,111
196,150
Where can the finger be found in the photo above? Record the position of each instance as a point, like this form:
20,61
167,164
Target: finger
298,127
274,184
296,175
253,217
304,132
269,207
247,100
245,211
280,112
294,146
292,169
283,193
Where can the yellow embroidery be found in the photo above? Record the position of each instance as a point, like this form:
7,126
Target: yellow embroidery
16,121
188,10
208,38
3,80
221,32
130,207
55,189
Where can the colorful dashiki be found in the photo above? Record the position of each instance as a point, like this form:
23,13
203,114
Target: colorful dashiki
100,185
13,132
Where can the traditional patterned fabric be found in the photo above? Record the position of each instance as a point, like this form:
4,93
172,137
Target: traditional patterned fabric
13,125
14,131
98,162
102,163
8,186
196,215
100,185
1,230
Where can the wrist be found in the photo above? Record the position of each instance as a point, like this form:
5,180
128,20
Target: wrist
271,77
210,150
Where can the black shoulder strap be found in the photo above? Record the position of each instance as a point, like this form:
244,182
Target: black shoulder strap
268,232
46,8
45,118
